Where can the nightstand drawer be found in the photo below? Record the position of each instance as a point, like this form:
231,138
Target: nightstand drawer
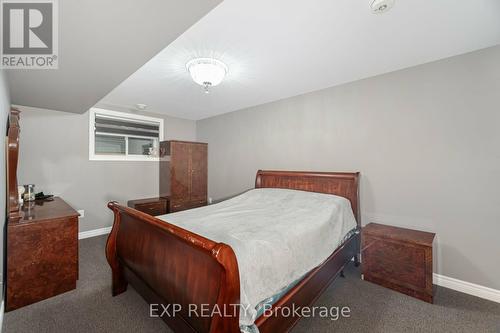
398,263
176,206
156,208
153,206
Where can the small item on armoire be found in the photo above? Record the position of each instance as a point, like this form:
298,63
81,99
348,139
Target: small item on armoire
29,192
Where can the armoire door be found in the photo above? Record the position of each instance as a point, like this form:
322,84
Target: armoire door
199,175
180,172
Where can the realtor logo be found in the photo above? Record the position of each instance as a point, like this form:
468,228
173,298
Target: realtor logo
29,34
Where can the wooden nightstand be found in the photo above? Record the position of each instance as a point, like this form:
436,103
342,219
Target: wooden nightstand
398,258
151,206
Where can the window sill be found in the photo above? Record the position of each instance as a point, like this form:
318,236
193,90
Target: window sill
124,158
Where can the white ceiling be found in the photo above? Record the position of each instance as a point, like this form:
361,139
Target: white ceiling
102,42
277,49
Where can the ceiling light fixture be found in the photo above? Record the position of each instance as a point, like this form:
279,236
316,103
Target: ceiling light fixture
381,6
207,72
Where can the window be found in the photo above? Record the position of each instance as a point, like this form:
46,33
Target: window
119,136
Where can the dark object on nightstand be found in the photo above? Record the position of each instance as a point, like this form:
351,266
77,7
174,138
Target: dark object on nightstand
43,196
151,206
399,259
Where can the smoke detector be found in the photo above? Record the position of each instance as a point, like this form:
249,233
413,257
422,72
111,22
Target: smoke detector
381,6
141,107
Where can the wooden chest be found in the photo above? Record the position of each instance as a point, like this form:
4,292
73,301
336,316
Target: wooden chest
42,252
399,259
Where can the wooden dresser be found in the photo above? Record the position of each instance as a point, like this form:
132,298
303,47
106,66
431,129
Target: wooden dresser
42,239
398,258
42,252
183,174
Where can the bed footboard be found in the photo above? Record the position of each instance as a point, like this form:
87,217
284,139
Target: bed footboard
195,277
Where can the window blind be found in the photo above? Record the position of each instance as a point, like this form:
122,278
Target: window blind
127,127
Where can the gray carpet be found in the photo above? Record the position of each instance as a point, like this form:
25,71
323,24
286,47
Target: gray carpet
90,308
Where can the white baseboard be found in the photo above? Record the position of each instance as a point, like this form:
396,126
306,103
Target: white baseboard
467,287
93,233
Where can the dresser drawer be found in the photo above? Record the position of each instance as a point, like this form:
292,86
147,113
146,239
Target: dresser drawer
395,262
198,203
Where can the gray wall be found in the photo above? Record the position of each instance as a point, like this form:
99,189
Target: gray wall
4,111
426,140
54,155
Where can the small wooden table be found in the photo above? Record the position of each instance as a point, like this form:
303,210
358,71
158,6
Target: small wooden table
42,252
399,259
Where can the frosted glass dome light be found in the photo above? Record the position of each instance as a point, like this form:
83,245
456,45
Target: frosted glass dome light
207,72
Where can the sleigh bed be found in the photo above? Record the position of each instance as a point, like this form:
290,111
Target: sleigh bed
168,264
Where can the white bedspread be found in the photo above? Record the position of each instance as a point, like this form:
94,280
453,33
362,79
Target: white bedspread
278,235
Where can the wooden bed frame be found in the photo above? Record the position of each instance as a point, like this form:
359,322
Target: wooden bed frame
170,265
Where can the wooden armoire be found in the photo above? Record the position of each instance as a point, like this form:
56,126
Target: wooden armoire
183,174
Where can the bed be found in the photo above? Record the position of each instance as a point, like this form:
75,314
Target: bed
183,259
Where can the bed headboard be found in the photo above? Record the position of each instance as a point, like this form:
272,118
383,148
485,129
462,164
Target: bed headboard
344,184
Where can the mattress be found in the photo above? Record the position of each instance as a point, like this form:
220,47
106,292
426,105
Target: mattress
277,235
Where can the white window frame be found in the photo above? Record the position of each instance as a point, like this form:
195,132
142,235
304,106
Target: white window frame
100,157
